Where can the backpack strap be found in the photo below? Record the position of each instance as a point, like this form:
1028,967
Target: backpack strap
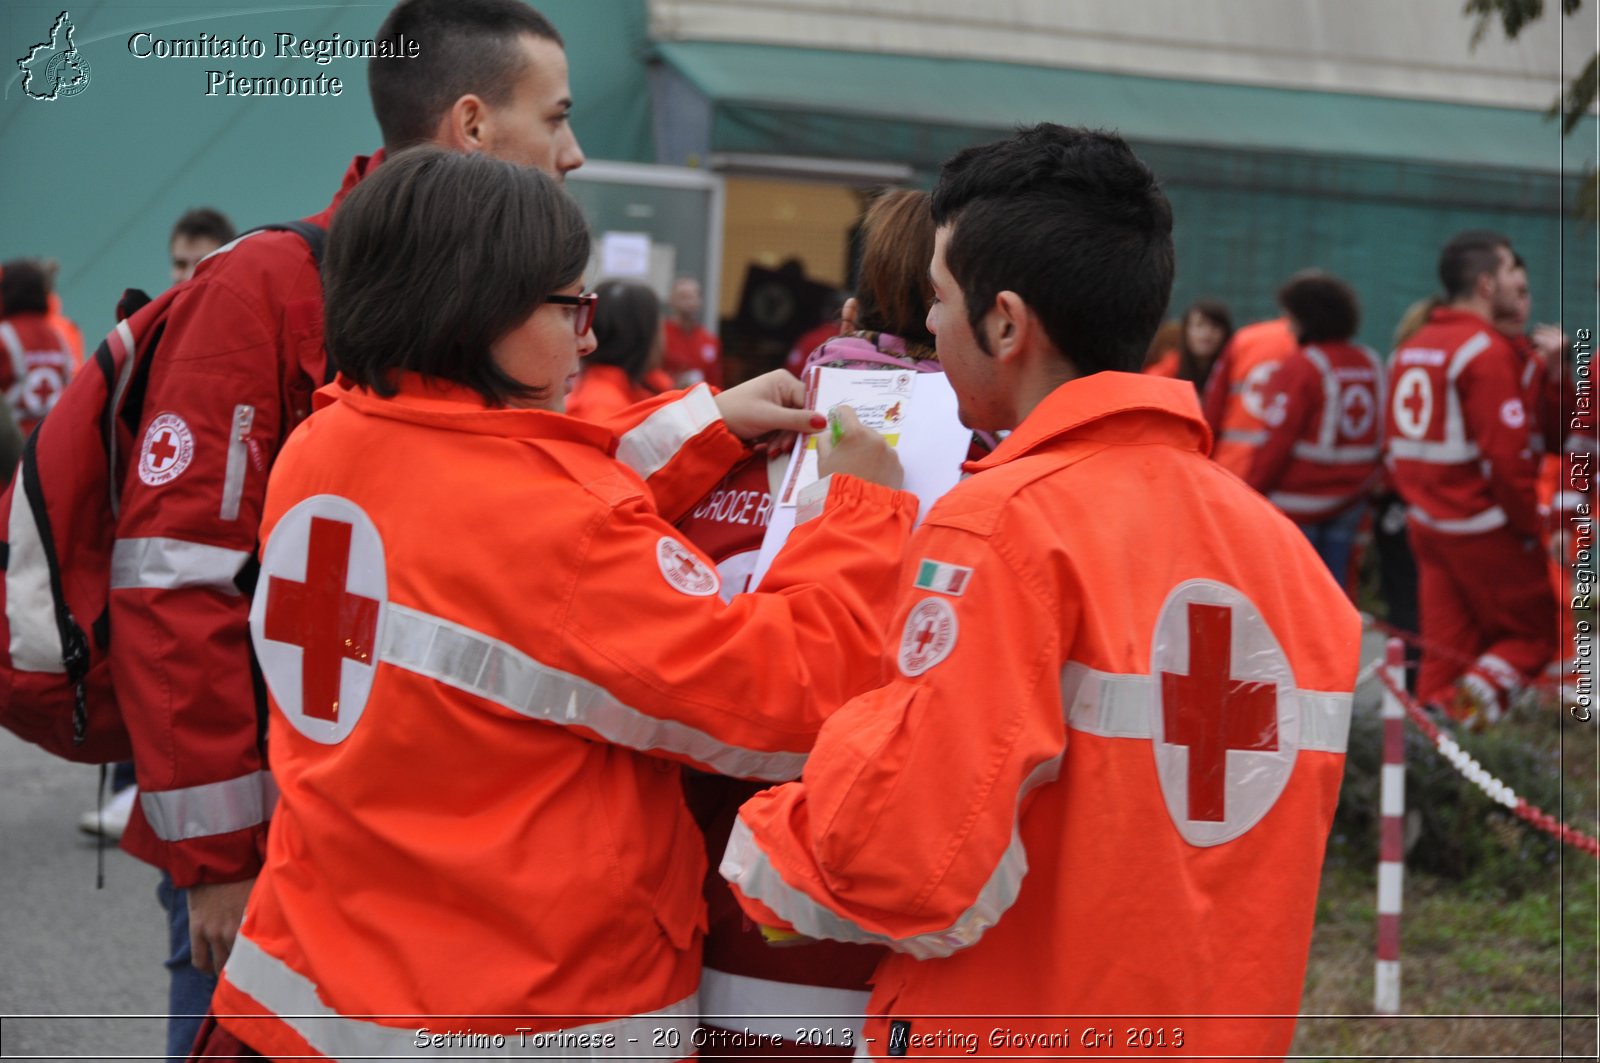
315,236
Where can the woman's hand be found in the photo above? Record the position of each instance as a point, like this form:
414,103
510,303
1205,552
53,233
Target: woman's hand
772,402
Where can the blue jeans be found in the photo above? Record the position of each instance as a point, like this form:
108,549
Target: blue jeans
189,992
1333,539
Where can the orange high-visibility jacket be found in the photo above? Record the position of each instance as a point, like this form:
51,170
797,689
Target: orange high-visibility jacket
1100,780
487,655
1236,393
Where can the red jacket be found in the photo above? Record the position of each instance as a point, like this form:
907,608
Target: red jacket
36,361
1324,416
688,352
1235,393
484,671
241,356
1100,777
1458,434
604,390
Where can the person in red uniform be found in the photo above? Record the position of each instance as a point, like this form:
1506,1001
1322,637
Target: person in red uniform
1205,330
625,366
1324,412
241,356
1235,393
693,354
35,357
748,987
1459,449
1100,775
486,662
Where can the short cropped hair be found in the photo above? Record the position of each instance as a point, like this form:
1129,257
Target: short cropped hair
463,46
1325,308
627,327
435,257
204,223
1468,256
25,286
1074,223
893,289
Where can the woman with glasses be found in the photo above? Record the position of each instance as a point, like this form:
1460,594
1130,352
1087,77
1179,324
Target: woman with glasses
488,652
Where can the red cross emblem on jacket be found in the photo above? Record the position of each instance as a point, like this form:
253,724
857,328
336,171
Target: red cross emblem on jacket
1225,728
318,620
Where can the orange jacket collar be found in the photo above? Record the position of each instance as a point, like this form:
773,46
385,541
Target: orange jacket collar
1078,407
442,404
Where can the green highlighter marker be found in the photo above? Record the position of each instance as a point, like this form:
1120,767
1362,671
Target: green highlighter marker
835,428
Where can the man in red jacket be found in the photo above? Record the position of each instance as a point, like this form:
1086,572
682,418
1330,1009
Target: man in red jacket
241,355
1459,448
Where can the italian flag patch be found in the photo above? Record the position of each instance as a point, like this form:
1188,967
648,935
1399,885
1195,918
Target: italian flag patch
942,577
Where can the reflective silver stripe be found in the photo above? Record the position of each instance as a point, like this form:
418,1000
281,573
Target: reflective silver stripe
1115,705
746,866
19,357
1328,432
503,674
124,336
1290,502
648,446
1447,453
1345,455
167,564
296,1002
1488,520
244,415
212,808
1240,435
740,1002
1455,424
30,605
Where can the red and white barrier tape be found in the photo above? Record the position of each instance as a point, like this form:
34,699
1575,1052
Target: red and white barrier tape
1391,847
1498,791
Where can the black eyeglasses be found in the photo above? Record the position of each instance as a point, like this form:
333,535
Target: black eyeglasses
583,320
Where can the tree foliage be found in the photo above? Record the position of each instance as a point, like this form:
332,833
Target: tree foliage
1579,95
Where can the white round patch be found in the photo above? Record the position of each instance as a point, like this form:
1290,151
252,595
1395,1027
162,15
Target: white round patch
928,637
41,389
319,614
684,569
1512,414
1226,720
1357,409
167,450
1413,403
1253,392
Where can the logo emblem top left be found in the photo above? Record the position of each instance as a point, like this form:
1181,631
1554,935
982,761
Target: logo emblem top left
318,616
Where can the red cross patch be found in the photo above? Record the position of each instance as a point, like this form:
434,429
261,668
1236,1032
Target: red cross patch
317,617
684,570
1253,389
1413,403
167,450
1226,729
928,637
1356,410
41,389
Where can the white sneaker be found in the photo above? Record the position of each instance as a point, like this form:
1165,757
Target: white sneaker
111,818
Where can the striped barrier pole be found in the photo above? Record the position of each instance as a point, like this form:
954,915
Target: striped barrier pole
1391,847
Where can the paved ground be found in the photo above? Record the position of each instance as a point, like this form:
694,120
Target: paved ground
80,968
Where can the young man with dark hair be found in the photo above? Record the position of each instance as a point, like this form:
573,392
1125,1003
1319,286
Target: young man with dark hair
241,355
1459,446
1324,415
195,235
1101,777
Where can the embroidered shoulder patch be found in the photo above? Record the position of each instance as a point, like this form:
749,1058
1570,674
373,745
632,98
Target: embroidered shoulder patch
167,450
942,577
684,570
1512,415
928,637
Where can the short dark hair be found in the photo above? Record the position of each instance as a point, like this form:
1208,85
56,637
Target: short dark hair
1324,308
1468,256
896,245
24,287
204,223
436,256
463,46
627,327
1074,223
